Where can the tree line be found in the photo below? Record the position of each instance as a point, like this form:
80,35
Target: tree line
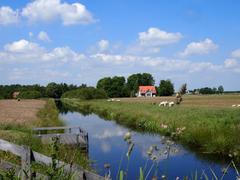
208,90
35,91
117,86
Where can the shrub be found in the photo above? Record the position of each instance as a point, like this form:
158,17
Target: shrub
86,93
29,95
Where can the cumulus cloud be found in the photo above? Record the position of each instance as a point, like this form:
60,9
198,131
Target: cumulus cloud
236,53
156,37
63,54
23,46
230,63
158,63
23,50
150,41
43,36
202,47
103,45
8,16
109,133
45,11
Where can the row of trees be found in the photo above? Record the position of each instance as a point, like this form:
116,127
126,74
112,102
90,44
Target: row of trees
208,90
118,86
53,90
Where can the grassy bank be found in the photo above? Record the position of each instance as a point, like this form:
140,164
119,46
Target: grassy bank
209,129
22,134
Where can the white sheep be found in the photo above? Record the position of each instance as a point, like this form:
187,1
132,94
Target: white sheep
163,103
238,105
234,105
171,104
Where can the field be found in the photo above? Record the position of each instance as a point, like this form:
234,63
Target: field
192,100
17,118
20,112
207,123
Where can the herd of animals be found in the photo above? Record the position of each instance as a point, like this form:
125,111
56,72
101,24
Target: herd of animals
236,105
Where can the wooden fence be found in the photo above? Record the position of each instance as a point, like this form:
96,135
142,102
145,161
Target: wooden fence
69,136
28,157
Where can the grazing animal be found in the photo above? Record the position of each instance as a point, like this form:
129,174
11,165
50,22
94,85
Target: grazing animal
163,103
234,105
171,104
238,105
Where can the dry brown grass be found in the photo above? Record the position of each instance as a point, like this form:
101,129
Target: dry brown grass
192,100
20,112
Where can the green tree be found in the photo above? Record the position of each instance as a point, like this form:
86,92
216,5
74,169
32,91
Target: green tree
220,89
166,88
206,90
30,94
114,87
136,80
54,90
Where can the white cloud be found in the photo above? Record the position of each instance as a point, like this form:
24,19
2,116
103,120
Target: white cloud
43,36
23,46
8,16
236,53
201,47
158,63
103,45
45,11
109,133
230,63
114,58
23,51
152,40
157,37
63,54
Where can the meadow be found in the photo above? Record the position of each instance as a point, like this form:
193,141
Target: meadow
209,124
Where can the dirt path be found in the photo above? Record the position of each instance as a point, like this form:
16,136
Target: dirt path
24,111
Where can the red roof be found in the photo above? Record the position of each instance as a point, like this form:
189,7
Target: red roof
144,89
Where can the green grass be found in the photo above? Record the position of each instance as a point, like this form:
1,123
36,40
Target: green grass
208,129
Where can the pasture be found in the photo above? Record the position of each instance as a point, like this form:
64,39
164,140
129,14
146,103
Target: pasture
207,123
218,101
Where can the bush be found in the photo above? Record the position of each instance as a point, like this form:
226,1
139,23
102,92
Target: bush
86,93
166,88
29,95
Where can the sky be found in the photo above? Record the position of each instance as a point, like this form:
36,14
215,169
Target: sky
188,41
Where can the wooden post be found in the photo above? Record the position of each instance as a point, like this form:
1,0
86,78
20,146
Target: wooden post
26,159
87,141
77,136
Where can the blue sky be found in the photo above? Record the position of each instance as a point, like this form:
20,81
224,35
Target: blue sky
81,41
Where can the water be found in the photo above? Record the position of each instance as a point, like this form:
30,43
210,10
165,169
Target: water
106,145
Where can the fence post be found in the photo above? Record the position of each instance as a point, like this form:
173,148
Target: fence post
26,159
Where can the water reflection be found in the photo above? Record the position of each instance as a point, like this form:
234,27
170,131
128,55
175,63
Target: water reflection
106,145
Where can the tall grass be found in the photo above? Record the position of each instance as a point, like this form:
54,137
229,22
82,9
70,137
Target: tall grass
209,129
